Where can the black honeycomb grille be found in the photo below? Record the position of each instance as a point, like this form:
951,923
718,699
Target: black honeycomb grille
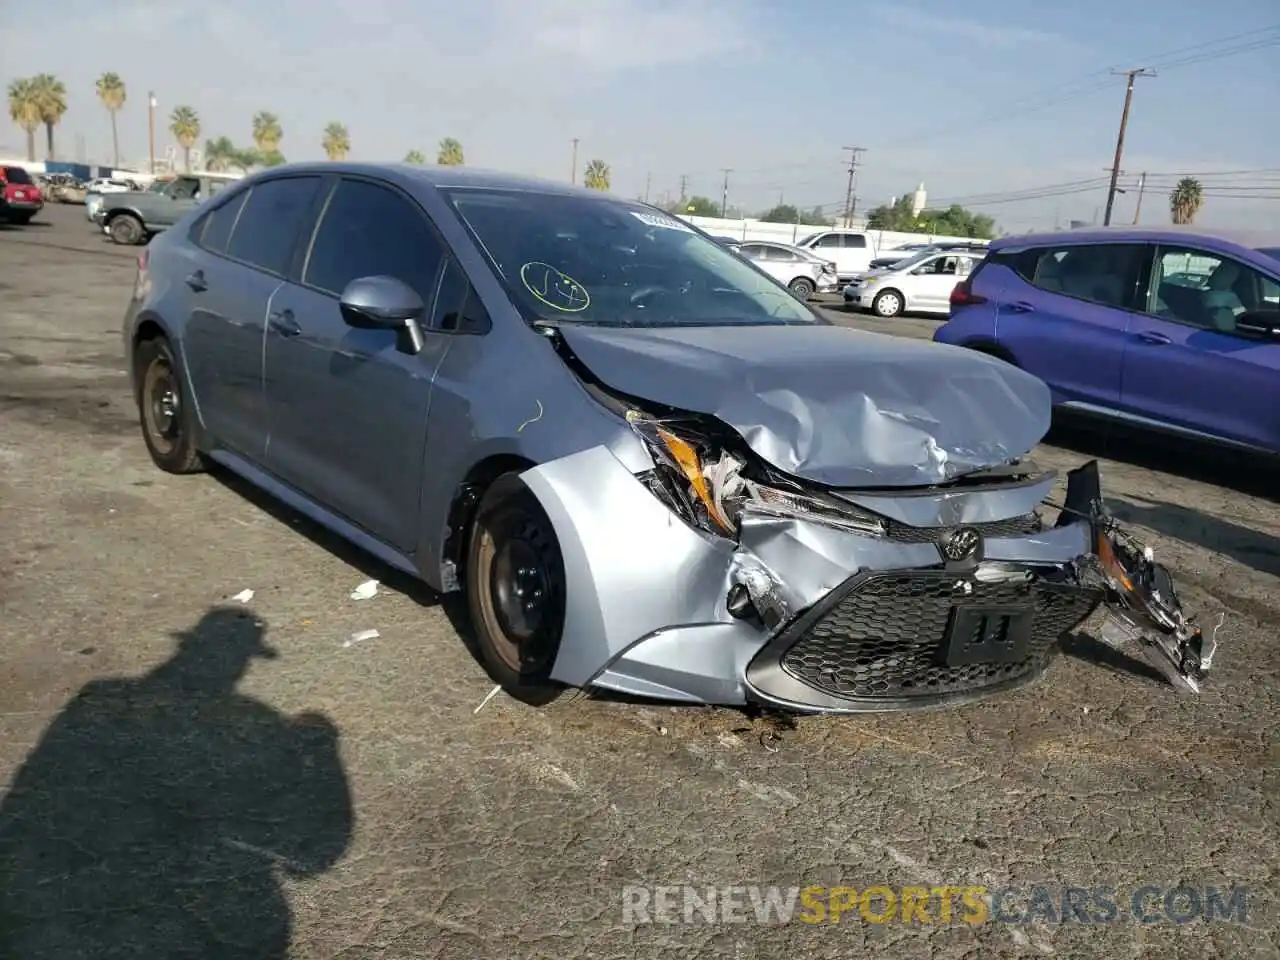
887,639
992,530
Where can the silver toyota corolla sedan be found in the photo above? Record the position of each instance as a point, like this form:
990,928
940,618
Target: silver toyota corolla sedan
649,467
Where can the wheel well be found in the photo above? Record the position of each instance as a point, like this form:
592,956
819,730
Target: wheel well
146,330
991,349
114,214
467,497
893,290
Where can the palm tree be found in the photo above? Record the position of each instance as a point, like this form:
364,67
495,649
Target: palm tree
415,156
24,108
336,142
267,132
112,93
1185,200
51,95
450,154
597,175
220,154
184,124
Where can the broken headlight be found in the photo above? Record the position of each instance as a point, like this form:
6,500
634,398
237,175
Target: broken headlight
707,485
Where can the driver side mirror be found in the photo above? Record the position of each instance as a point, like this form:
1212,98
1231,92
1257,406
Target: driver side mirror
385,303
1259,324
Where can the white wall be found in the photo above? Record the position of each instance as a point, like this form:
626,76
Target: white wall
750,229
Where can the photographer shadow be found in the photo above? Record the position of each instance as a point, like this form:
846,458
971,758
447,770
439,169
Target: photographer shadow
158,814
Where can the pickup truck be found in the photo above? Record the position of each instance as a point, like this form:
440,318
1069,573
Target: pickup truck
136,216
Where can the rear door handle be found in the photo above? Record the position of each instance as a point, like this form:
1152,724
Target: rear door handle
283,323
197,281
1021,306
1150,336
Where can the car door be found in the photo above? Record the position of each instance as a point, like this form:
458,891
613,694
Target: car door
758,253
1186,365
1067,314
181,197
347,411
830,246
240,253
928,287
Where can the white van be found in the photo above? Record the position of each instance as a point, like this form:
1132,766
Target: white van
850,250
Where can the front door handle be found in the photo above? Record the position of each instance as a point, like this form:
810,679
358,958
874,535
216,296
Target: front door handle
1020,306
283,323
197,282
1157,339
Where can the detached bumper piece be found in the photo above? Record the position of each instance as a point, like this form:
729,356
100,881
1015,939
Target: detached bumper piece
920,638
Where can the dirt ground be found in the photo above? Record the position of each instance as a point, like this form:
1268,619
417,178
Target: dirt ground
347,799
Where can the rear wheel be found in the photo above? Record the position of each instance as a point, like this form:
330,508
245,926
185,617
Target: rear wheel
126,229
516,590
168,423
21,219
802,288
887,304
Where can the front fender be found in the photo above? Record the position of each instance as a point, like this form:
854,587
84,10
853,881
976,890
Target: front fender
632,567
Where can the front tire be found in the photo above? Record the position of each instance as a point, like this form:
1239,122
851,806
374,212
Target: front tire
516,591
167,419
126,230
888,303
801,288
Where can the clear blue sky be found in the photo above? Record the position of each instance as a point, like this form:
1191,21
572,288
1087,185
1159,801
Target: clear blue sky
937,92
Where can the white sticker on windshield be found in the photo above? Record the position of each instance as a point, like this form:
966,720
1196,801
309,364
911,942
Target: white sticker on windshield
657,220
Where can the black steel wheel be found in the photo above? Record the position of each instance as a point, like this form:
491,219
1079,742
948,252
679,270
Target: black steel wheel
166,417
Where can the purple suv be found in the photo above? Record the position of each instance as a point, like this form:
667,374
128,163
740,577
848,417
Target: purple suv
1172,328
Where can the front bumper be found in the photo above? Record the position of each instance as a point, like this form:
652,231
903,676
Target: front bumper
836,621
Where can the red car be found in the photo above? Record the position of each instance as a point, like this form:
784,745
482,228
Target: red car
20,198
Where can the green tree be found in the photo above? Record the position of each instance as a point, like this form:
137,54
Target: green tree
597,175
415,157
782,213
24,109
817,218
450,154
1185,200
267,132
954,221
51,95
336,141
184,124
269,158
112,94
219,154
696,207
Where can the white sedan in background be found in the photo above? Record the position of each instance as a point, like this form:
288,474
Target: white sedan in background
803,273
920,284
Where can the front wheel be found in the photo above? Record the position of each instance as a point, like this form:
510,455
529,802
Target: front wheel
126,230
802,288
887,304
516,591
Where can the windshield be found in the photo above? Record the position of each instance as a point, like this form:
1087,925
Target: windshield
606,262
16,175
906,263
160,186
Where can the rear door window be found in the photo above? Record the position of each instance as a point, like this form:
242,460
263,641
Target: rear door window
854,241
218,224
272,219
1105,273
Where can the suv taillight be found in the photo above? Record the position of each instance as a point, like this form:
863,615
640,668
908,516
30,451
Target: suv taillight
963,295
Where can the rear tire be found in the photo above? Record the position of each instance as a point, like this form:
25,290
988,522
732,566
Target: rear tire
21,219
126,230
801,288
167,419
516,592
888,303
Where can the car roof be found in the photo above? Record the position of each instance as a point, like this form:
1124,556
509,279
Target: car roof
442,176
1251,239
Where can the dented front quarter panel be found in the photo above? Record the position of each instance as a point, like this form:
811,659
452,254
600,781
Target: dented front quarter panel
647,612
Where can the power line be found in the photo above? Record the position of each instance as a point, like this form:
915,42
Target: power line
851,200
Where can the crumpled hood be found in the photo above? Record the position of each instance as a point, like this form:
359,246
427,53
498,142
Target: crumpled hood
835,406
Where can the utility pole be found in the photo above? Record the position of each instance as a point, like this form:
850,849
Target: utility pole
573,164
684,184
151,129
724,194
648,178
1142,186
1124,122
850,198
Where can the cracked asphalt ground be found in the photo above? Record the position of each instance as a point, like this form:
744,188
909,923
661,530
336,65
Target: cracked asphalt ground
198,822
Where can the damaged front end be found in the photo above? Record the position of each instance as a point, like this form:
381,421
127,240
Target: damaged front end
779,591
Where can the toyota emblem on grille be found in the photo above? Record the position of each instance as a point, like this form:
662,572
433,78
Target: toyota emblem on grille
961,544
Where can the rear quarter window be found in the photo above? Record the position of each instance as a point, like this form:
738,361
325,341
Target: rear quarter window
214,230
